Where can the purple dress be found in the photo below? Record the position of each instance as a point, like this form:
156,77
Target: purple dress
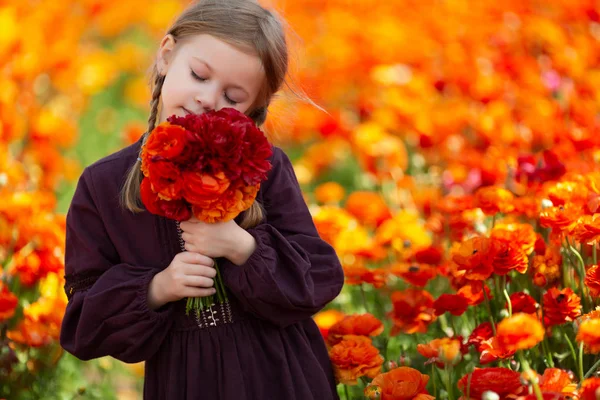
266,346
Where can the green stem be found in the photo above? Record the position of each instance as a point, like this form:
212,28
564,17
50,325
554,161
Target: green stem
591,370
449,382
573,353
581,375
546,349
346,392
581,273
433,379
530,373
489,308
364,297
506,296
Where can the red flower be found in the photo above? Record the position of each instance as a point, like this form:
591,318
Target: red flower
560,306
502,381
215,162
413,311
8,303
521,302
455,304
480,334
358,325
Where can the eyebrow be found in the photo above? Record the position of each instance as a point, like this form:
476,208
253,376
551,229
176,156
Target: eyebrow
210,69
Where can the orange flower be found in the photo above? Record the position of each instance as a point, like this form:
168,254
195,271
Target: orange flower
353,358
455,304
588,229
493,200
561,218
502,381
329,192
359,274
554,380
519,332
326,319
413,311
560,306
508,257
491,350
546,268
444,350
415,274
522,236
401,383
368,207
589,335
589,389
8,303
31,333
592,280
473,256
473,292
521,302
359,325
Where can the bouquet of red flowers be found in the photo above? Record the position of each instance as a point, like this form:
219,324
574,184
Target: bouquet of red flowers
209,165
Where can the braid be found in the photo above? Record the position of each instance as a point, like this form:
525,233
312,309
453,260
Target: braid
158,84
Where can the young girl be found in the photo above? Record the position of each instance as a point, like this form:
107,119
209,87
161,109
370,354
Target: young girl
127,279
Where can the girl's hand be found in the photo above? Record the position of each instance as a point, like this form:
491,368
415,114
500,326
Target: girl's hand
221,239
188,275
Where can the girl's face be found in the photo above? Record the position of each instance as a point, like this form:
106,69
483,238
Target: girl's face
203,73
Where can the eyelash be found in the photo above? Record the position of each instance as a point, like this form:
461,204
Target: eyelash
227,99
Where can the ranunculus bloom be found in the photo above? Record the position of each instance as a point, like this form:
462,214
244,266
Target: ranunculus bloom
507,257
359,274
359,325
353,358
521,302
588,229
443,351
546,268
415,274
329,192
589,389
502,381
555,380
589,335
561,218
167,142
174,209
480,334
8,303
491,351
519,332
473,292
560,306
493,200
402,383
412,312
455,304
521,235
368,207
592,280
473,256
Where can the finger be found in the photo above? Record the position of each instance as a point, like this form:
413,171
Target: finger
201,270
199,292
192,248
199,281
186,236
191,257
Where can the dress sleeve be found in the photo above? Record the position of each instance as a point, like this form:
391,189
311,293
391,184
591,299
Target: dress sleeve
107,313
293,273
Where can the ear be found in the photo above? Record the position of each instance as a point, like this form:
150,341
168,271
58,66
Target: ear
165,54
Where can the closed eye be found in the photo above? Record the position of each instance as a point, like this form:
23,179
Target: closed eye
227,98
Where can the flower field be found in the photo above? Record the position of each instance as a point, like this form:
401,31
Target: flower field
455,173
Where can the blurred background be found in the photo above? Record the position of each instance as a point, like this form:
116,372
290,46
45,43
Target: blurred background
423,98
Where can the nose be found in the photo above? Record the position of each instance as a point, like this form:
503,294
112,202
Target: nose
207,99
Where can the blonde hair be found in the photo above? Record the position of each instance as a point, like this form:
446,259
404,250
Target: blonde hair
241,23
